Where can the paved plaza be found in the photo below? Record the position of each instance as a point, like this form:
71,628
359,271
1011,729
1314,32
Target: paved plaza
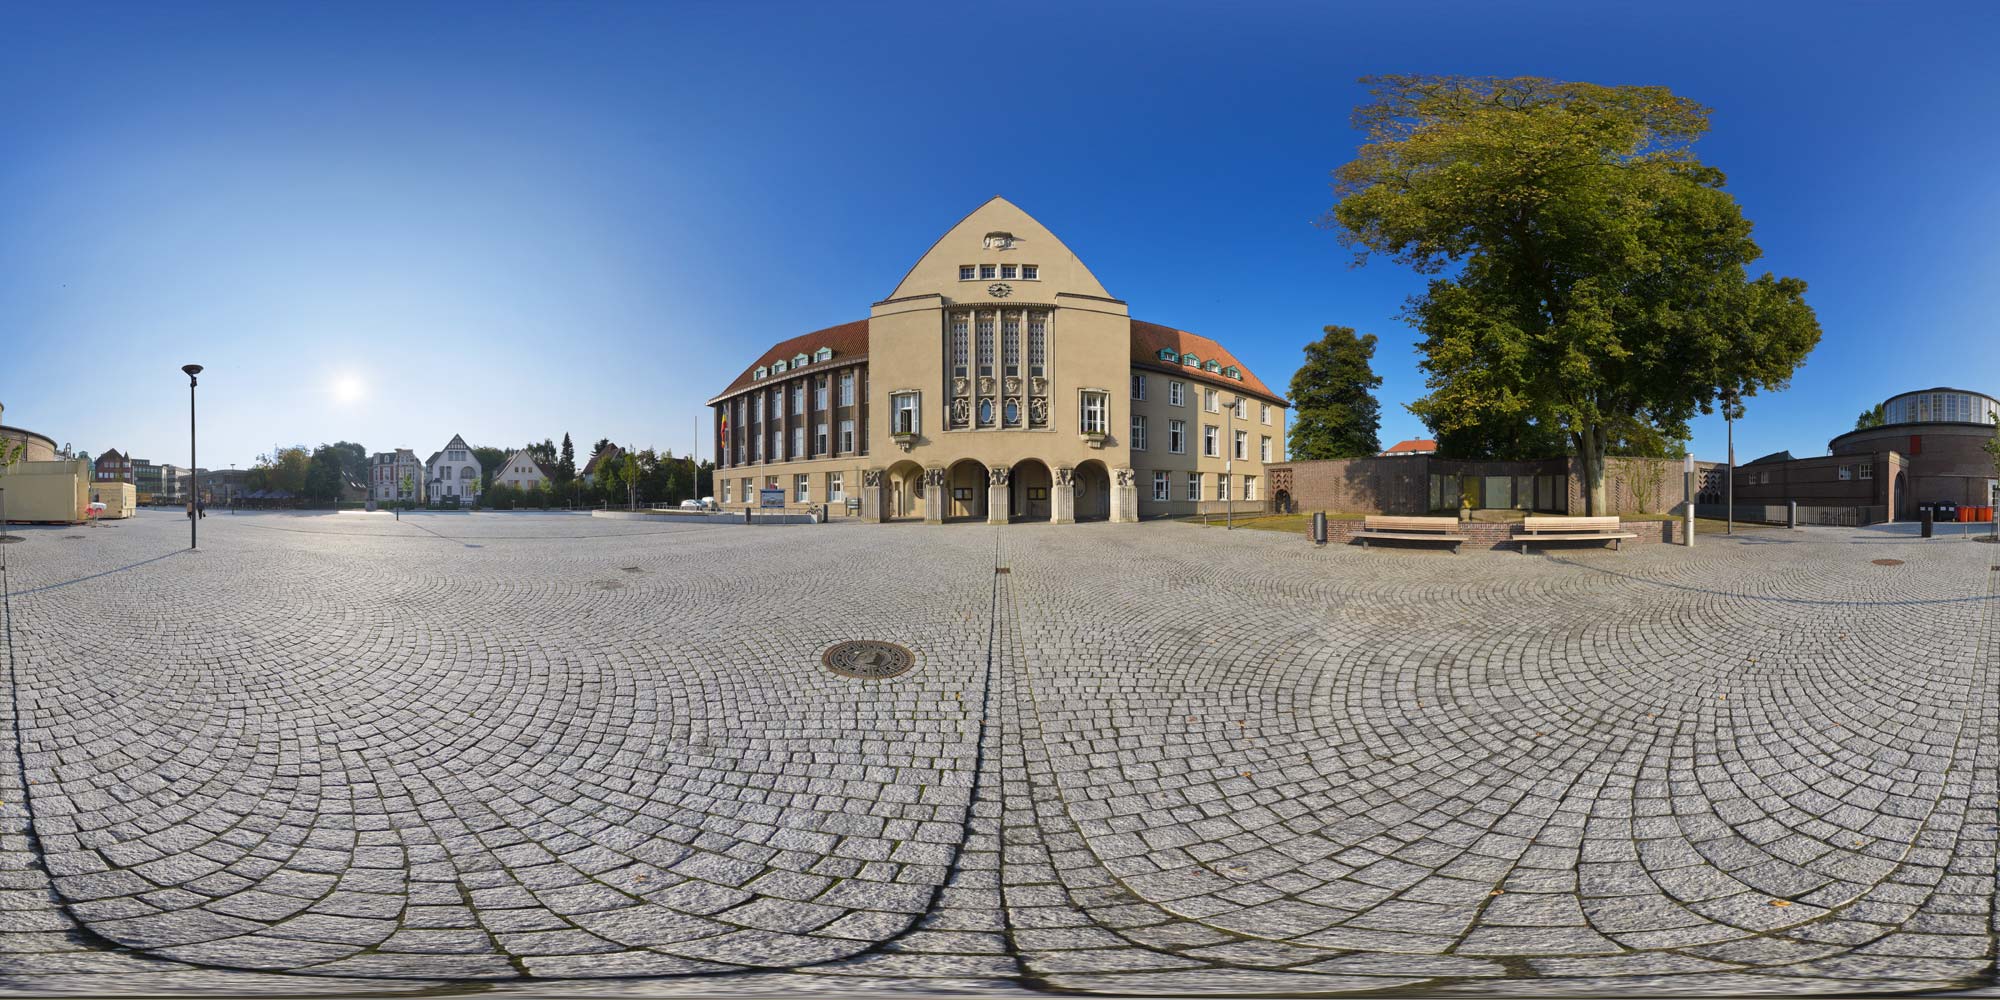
503,752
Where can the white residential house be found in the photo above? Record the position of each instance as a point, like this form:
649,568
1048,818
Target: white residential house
454,471
521,471
388,471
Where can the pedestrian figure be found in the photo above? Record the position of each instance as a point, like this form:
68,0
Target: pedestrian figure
190,510
201,508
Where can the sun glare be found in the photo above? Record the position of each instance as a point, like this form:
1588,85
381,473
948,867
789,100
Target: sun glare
347,388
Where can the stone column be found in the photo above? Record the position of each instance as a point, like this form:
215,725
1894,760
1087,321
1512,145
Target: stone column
1062,497
935,495
996,495
874,496
1124,496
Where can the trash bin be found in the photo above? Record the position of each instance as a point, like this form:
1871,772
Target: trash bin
1947,512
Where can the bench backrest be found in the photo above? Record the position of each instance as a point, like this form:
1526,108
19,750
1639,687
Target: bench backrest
1383,522
1569,524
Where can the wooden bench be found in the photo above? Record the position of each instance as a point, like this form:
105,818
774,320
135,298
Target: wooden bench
1535,530
1378,527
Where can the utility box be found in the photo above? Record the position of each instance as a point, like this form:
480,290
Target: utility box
48,492
119,499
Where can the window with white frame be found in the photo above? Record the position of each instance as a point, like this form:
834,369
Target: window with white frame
819,438
1211,440
966,272
1242,408
1211,401
1866,470
1846,472
1176,392
836,487
1242,444
1249,487
1138,432
1160,487
819,392
1177,436
798,400
1264,448
905,415
988,272
961,339
1095,412
847,435
800,491
1010,345
725,491
1138,387
798,440
1222,486
1011,272
1031,272
774,405
1194,486
847,388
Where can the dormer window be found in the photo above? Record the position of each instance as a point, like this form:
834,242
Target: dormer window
1169,355
777,366
799,360
1213,366
761,372
1190,359
823,354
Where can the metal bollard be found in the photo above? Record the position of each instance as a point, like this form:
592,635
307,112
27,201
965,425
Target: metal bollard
1792,514
746,515
1927,524
1319,527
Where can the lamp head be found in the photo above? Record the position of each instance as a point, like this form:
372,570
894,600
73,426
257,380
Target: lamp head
192,370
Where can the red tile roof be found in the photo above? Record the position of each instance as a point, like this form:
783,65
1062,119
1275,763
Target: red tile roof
1148,339
1416,446
848,340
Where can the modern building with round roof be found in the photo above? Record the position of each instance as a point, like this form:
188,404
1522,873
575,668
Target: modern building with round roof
1930,448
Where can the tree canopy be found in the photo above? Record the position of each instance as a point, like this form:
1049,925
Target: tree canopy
1871,418
1334,411
1590,272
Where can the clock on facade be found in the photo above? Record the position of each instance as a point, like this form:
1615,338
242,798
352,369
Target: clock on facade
999,290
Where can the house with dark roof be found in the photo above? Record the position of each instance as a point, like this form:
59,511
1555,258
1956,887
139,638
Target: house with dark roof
998,381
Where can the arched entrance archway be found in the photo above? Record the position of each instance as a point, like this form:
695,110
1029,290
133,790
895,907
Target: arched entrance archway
1905,509
965,491
1028,486
904,483
1093,491
1283,500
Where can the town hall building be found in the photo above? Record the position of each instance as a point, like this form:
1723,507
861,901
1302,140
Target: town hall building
998,381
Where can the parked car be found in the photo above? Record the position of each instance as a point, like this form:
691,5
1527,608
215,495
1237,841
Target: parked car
692,505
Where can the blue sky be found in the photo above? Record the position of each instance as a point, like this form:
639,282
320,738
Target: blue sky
393,223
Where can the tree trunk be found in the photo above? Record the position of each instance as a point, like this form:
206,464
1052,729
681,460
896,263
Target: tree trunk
1590,451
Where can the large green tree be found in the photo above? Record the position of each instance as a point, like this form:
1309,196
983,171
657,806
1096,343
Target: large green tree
1334,411
1590,272
1871,418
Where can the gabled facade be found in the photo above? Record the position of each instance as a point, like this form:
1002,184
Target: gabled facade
112,467
998,381
521,471
453,471
396,475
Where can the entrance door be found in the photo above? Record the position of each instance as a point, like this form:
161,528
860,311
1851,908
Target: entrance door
1035,503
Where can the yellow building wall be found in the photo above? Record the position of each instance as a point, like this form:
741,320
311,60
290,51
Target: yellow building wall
119,499
47,491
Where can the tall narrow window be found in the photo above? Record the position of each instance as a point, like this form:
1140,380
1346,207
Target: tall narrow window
1038,347
1010,346
904,413
959,336
1138,387
847,388
847,435
1138,432
798,399
1194,486
819,392
1177,436
1096,412
985,328
1160,487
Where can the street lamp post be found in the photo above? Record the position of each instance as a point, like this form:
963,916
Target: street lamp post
195,494
1732,408
1229,466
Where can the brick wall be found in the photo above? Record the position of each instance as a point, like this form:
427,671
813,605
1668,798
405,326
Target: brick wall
1402,485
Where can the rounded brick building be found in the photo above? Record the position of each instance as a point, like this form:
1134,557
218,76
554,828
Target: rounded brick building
1940,435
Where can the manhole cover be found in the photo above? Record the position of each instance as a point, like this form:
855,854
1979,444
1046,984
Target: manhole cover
607,585
1888,562
631,569
11,539
868,659
77,537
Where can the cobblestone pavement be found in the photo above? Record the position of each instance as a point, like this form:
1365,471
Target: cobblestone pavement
503,752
